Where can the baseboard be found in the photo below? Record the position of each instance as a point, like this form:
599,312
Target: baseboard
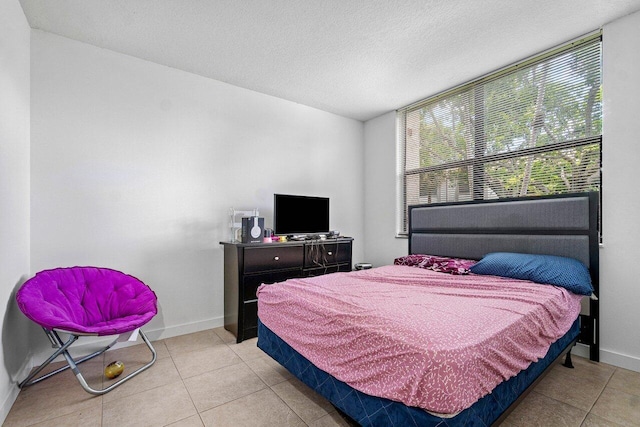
625,361
187,328
87,345
12,395
8,403
609,357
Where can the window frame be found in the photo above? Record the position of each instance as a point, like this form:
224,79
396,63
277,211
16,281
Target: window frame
480,158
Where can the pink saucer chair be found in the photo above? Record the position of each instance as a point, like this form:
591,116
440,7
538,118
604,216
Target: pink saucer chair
86,301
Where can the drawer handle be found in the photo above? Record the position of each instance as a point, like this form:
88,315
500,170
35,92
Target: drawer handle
276,258
329,253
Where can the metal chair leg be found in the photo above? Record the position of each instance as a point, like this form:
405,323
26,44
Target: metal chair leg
88,389
73,364
61,348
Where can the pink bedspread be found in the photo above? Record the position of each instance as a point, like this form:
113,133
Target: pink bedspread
431,340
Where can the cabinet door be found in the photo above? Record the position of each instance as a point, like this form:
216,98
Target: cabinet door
250,315
326,254
272,258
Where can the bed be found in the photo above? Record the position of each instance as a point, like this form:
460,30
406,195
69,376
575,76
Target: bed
563,226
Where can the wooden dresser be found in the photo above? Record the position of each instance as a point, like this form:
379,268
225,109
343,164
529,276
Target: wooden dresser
248,265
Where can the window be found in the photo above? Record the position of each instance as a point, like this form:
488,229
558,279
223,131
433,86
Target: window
534,128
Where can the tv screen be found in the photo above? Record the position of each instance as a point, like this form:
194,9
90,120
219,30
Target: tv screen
300,214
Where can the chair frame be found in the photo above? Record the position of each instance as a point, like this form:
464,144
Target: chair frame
62,349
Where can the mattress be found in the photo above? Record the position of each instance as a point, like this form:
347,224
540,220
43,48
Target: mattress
425,339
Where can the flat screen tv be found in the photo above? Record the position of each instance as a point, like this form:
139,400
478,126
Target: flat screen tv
297,215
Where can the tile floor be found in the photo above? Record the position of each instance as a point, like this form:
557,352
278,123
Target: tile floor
206,379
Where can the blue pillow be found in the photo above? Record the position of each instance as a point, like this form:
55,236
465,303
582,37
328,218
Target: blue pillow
569,273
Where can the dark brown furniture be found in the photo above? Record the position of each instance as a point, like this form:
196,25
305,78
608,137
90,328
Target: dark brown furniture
248,265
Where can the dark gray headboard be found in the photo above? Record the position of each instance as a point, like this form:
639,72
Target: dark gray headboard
563,225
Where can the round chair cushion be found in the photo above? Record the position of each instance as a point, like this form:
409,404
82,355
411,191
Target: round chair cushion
87,300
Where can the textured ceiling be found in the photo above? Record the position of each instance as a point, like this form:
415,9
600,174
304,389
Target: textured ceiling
358,59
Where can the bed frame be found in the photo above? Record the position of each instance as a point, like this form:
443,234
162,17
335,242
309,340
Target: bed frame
563,225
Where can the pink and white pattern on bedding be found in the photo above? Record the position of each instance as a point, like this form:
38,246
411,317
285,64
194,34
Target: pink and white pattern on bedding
437,263
430,340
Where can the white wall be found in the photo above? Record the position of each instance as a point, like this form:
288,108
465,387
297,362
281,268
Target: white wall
14,195
380,177
619,284
135,166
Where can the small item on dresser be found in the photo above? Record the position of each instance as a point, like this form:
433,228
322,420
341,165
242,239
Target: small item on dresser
252,229
267,235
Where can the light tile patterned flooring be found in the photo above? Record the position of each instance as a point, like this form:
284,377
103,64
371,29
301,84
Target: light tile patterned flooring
206,379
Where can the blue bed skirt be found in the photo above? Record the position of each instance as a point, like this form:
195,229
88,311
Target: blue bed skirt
375,411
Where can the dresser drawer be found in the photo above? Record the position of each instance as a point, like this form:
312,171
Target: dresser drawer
327,254
273,258
311,272
253,281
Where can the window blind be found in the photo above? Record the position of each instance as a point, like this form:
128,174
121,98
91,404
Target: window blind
534,128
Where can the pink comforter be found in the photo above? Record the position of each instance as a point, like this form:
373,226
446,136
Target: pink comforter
431,340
